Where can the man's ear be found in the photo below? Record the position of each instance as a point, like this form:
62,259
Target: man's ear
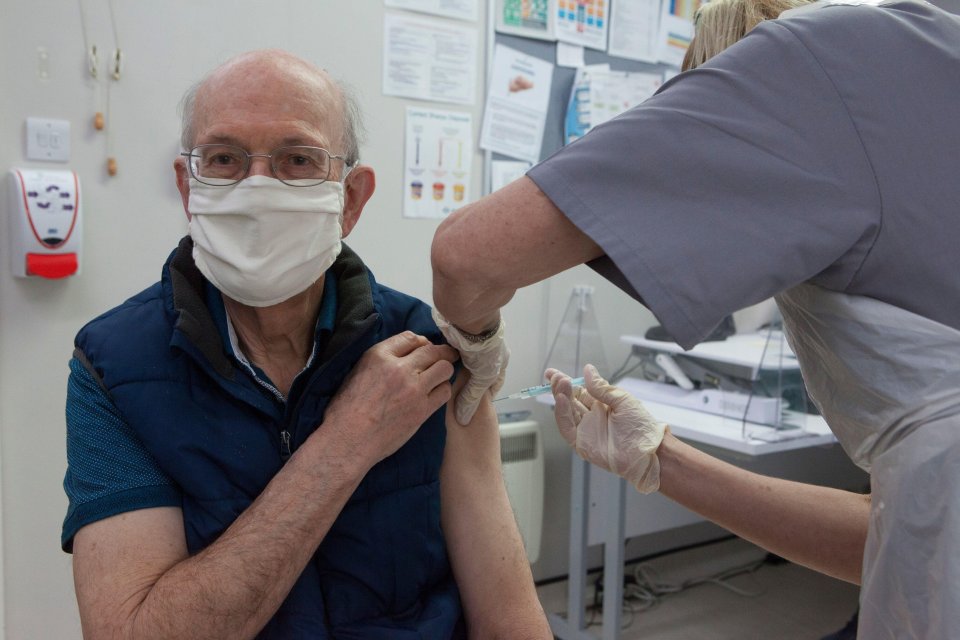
183,182
357,191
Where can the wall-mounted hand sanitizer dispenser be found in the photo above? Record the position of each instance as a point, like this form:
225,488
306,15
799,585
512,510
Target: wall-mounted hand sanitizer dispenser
45,222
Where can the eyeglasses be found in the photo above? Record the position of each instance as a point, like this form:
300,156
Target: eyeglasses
222,165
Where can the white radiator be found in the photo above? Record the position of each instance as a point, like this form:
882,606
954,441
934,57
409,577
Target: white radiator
521,452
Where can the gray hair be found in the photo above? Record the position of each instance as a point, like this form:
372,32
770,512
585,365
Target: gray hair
351,126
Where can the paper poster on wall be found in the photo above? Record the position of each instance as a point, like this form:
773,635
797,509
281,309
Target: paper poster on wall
583,22
577,120
437,160
635,29
516,108
570,55
503,172
460,9
676,29
613,92
599,94
429,59
527,18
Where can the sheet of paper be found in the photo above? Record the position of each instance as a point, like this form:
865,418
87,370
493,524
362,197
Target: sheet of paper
461,9
527,18
437,162
676,29
503,172
516,107
583,22
634,30
613,92
577,119
569,55
429,59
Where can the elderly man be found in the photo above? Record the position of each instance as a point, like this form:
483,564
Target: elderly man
255,442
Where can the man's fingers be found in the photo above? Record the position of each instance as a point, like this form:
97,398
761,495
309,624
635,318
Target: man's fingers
404,343
437,374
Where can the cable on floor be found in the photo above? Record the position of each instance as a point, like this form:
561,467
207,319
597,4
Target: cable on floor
646,590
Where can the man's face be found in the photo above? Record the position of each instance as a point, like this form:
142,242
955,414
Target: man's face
259,107
262,111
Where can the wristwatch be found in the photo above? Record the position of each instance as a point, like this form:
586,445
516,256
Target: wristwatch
476,338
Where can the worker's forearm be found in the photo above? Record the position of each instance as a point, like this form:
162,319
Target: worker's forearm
484,252
232,588
818,527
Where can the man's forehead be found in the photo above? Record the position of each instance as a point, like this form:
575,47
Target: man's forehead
297,103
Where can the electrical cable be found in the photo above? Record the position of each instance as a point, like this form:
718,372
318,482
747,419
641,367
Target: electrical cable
647,590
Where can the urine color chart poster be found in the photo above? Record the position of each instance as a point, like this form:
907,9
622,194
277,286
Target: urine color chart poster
437,164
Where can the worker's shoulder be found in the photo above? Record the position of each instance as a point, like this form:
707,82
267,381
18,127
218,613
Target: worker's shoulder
846,23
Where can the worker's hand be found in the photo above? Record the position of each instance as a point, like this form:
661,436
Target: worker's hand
486,360
608,427
389,393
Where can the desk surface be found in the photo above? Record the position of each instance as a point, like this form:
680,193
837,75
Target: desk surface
728,433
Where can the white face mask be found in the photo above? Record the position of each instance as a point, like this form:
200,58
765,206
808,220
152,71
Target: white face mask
260,241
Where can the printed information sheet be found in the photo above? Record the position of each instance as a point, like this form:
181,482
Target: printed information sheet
429,59
437,162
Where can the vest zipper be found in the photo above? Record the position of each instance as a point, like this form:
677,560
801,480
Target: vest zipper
284,444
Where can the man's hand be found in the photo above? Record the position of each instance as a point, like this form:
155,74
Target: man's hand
608,427
486,360
390,392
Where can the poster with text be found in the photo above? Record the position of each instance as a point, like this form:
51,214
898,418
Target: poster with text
437,162
527,18
460,9
583,22
676,29
635,30
429,59
516,109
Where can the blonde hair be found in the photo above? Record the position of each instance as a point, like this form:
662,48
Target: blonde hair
720,23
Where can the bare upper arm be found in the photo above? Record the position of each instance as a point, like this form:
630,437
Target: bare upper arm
118,560
483,540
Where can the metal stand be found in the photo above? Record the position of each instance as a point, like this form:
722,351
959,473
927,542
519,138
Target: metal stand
573,627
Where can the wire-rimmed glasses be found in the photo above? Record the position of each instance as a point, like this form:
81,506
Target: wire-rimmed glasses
222,165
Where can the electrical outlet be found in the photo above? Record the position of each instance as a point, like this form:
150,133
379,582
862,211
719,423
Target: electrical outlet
48,139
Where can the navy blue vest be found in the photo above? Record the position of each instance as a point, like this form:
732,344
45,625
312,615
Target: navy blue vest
382,570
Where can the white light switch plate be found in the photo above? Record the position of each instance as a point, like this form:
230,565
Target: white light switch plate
48,139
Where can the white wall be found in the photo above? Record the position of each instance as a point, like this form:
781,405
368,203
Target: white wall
134,219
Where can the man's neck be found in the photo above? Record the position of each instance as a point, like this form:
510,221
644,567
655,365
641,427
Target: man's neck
279,338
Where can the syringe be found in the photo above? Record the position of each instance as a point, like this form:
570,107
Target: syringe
529,392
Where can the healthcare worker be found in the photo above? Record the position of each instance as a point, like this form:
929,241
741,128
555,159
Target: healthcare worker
815,160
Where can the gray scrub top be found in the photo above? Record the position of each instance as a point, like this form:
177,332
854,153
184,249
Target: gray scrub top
824,147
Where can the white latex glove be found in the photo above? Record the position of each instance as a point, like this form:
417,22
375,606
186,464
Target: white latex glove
486,361
608,427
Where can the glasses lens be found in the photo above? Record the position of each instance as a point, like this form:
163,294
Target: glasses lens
301,163
219,162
